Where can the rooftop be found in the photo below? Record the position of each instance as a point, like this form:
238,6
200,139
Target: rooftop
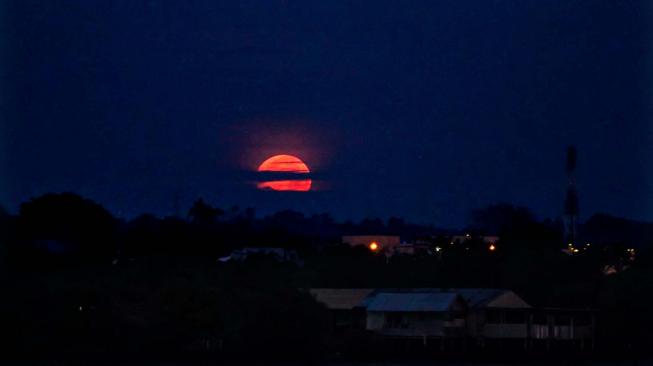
340,299
413,302
412,299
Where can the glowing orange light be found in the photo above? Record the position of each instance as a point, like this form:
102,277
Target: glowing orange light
492,247
374,246
287,185
284,163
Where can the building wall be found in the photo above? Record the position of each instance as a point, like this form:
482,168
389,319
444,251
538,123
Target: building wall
500,326
564,325
543,331
375,320
475,323
410,324
414,324
505,331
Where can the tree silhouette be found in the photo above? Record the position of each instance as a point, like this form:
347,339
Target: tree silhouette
69,224
501,218
203,213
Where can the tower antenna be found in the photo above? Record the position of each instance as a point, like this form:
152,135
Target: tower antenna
571,200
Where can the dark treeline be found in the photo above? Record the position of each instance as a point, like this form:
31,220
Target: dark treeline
77,281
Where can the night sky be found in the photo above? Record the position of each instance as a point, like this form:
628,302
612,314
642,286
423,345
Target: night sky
424,110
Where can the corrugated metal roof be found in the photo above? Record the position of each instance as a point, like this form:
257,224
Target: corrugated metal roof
493,297
412,302
477,297
342,298
473,297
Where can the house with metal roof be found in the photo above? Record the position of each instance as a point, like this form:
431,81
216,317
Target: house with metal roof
495,313
415,314
497,316
501,315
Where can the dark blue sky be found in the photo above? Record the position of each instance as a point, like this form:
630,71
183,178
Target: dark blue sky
423,109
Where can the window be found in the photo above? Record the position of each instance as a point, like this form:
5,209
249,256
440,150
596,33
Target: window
515,317
562,319
395,320
493,316
584,318
438,316
540,318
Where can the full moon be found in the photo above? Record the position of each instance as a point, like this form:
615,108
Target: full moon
287,164
284,163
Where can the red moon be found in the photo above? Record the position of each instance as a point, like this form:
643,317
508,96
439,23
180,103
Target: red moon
285,164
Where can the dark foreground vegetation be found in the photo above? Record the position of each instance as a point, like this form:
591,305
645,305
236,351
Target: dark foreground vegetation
77,282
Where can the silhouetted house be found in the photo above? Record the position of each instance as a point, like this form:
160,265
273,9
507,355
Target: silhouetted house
416,314
495,314
487,317
347,306
498,315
